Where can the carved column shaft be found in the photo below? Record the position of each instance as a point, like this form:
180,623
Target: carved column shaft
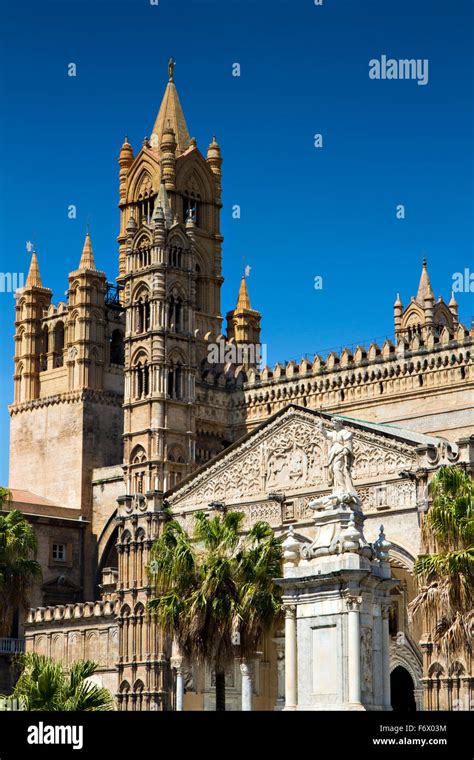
290,658
247,688
387,702
353,636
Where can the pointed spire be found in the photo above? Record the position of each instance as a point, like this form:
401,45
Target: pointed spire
398,301
158,215
424,288
453,301
163,201
171,114
87,258
34,276
243,301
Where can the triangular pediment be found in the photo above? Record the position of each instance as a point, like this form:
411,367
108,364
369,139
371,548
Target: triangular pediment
288,454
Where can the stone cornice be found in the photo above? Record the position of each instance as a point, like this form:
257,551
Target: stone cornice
70,397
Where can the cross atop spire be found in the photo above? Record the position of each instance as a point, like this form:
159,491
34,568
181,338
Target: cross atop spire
34,276
171,115
424,288
87,258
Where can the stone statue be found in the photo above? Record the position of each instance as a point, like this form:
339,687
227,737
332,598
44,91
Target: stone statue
171,65
341,458
340,461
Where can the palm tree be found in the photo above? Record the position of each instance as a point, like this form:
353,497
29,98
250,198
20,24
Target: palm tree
445,570
215,590
18,568
44,686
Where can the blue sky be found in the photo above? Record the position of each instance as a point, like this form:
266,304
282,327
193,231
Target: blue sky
304,211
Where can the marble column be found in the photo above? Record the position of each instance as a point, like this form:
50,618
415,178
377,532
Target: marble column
247,686
290,658
177,664
387,700
280,651
353,636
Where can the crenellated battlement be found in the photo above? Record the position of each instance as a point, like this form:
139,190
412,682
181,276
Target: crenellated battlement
81,610
400,356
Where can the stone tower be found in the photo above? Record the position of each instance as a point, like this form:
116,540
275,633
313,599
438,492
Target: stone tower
243,326
170,276
66,418
425,317
170,272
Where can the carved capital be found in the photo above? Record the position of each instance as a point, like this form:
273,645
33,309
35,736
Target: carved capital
246,668
289,610
353,603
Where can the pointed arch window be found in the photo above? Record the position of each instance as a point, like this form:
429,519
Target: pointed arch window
192,207
176,321
143,254
176,256
43,348
141,379
176,380
58,344
138,462
143,314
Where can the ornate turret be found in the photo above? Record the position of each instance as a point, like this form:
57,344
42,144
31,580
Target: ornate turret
168,157
32,301
214,159
424,316
125,161
86,323
243,322
453,308
397,313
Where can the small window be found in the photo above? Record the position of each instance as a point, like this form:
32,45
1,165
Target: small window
59,552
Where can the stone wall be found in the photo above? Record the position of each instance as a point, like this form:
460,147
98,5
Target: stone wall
71,632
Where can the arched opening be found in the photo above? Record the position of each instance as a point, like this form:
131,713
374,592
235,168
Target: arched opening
176,256
402,690
192,208
176,313
43,348
58,344
110,555
175,381
143,314
117,355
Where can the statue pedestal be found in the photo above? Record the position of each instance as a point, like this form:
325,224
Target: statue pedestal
337,592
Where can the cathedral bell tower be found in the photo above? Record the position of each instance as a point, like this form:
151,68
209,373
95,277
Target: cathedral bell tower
170,278
170,272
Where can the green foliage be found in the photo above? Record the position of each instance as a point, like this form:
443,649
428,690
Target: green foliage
44,686
215,583
445,570
5,495
18,568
